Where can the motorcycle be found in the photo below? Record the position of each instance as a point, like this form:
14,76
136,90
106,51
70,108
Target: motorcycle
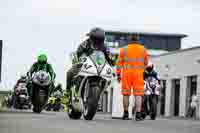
41,83
152,92
87,86
9,101
21,97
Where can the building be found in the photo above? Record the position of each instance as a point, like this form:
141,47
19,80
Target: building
152,41
156,43
180,74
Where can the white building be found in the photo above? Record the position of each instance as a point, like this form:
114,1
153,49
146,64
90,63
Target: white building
180,74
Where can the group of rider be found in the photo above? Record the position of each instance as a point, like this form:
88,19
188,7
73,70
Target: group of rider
95,41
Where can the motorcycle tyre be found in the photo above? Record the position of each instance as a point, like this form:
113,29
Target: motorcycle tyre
154,108
37,108
92,103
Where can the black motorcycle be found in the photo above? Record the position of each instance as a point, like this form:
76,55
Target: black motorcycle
41,83
151,98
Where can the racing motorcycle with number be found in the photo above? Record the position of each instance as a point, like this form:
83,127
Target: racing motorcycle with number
87,86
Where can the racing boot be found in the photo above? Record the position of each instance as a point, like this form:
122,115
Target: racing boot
68,94
138,116
51,89
143,114
29,90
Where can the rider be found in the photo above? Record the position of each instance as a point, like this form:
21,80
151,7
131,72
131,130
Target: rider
150,72
23,79
95,41
41,64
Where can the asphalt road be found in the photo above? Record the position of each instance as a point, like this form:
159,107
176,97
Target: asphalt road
51,122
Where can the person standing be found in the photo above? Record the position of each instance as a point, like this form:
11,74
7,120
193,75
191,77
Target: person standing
193,105
131,64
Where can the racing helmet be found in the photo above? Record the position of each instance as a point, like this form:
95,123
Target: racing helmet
97,35
150,66
42,58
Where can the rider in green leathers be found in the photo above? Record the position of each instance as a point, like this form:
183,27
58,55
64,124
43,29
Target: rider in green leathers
41,64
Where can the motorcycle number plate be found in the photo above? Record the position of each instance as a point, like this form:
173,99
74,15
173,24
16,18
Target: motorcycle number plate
23,96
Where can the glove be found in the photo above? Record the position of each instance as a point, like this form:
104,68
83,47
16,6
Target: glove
114,75
118,77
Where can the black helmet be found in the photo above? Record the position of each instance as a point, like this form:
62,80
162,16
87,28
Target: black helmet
150,66
97,34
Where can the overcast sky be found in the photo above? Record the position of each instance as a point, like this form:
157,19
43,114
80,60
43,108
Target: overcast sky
57,26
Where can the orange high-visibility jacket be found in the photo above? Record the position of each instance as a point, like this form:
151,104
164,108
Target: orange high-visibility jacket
132,62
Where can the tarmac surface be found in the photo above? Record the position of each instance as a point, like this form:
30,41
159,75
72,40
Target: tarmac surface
58,122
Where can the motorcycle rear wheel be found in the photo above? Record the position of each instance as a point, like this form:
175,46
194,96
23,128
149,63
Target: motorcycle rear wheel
153,108
37,108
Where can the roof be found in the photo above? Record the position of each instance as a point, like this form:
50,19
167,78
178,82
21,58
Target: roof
152,52
156,52
145,33
177,51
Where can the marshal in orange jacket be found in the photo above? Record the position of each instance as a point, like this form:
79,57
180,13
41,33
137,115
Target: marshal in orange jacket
131,64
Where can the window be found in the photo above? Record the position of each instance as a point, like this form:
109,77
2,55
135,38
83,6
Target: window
192,84
163,89
176,96
116,40
109,38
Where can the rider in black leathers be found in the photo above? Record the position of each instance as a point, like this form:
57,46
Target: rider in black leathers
95,41
150,72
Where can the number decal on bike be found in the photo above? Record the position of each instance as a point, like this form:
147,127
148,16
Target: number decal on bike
83,59
87,66
108,71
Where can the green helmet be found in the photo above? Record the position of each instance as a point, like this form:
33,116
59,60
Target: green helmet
42,58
